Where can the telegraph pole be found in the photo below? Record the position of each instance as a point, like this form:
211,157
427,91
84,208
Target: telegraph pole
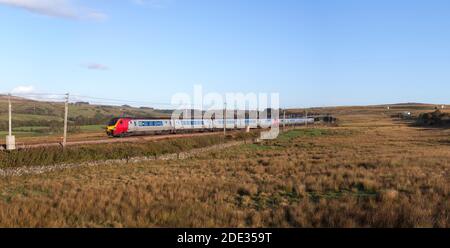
66,113
224,119
10,115
284,119
10,140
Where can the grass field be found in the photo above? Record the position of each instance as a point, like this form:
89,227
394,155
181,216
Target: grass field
370,171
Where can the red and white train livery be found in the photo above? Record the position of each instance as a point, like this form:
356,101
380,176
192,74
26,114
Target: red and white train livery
132,126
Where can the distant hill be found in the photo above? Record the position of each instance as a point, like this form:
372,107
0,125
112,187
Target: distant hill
410,104
416,108
27,112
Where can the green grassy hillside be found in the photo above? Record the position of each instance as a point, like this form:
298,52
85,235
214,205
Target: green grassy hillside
38,114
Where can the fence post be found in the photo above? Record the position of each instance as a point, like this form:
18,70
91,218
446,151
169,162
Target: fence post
10,139
66,113
225,119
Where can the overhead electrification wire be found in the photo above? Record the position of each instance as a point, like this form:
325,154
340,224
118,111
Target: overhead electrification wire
75,97
122,100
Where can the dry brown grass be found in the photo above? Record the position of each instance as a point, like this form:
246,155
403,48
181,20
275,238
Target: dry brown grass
369,172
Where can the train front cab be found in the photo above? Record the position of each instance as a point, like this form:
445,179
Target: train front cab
117,127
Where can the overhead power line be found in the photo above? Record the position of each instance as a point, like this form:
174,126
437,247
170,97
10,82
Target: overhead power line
121,100
74,97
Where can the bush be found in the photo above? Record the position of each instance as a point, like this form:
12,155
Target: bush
436,118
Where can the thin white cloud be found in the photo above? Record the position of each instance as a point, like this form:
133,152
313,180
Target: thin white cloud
153,3
23,89
95,66
94,15
55,8
29,92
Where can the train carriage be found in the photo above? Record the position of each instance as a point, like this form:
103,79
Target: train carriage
243,123
219,123
118,127
149,126
194,124
266,123
129,126
297,121
208,125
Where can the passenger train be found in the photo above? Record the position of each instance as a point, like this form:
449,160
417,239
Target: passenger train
119,127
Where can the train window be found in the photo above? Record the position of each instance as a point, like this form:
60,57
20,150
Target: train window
113,122
151,123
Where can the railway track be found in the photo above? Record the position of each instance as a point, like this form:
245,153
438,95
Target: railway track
119,140
141,138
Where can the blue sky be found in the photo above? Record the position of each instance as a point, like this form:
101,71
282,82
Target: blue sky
313,52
